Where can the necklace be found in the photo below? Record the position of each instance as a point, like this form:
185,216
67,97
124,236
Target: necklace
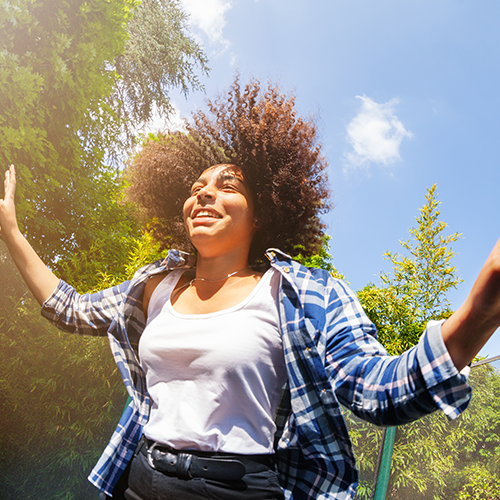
187,285
220,279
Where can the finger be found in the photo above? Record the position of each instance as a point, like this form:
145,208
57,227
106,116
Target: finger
10,182
5,184
7,177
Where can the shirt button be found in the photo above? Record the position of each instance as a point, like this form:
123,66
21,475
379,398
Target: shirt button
273,254
287,270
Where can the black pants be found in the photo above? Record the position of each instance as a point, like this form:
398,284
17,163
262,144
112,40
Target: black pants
145,483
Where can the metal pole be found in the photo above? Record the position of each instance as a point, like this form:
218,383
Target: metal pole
484,361
384,464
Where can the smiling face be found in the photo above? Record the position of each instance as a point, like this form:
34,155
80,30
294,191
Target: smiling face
219,216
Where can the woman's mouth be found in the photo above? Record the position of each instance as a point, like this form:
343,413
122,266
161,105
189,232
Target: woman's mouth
207,214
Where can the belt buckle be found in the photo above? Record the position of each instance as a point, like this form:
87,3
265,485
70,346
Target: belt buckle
180,466
150,456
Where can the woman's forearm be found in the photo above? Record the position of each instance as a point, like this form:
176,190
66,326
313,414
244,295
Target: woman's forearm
475,321
39,278
464,334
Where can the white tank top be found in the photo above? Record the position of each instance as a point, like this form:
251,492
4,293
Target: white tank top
214,379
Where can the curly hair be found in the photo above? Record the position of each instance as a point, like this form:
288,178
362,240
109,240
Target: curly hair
277,152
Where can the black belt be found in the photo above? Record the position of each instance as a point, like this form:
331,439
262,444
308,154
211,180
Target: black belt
188,464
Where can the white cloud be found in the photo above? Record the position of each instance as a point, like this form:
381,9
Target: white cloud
159,123
375,134
208,17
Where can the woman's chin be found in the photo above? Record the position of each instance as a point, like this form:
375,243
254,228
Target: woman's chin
204,242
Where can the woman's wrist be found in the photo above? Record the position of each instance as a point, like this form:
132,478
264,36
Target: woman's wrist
466,332
11,234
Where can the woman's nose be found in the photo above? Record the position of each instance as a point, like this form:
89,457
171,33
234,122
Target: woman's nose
206,192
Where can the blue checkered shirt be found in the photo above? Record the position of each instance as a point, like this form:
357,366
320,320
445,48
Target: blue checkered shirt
332,357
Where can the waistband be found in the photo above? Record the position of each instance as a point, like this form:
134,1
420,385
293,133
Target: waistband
187,464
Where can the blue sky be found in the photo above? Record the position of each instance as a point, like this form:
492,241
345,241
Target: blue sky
404,93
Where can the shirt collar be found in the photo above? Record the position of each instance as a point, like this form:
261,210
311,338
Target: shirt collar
177,258
286,266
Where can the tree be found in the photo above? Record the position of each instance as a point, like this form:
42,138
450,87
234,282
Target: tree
158,57
416,291
321,260
68,76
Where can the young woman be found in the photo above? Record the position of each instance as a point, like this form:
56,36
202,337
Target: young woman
235,356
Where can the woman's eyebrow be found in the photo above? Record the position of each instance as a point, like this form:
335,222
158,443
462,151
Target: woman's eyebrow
224,176
201,180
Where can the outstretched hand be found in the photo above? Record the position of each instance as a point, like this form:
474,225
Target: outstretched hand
8,220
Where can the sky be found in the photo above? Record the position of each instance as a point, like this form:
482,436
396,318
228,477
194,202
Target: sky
404,95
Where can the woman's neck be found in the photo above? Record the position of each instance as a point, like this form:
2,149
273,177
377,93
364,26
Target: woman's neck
214,268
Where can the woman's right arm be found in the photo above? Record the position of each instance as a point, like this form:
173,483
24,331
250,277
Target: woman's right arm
39,278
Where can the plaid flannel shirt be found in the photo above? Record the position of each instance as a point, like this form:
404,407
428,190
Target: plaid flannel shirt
331,354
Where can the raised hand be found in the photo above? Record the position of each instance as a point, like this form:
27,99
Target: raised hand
8,221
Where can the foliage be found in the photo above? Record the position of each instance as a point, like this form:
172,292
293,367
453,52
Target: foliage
143,250
61,396
99,268
321,260
53,123
106,238
482,484
416,291
69,72
158,57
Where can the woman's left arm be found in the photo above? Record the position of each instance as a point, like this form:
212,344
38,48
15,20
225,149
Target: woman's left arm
475,321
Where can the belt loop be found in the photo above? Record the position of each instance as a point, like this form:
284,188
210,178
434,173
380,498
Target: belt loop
140,444
182,465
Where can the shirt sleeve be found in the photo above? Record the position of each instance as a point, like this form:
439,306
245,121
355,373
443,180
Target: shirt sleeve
383,389
87,314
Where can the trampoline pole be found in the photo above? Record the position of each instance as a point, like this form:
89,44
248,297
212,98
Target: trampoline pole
384,465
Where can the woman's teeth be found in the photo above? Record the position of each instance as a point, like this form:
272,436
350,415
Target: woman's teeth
206,213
